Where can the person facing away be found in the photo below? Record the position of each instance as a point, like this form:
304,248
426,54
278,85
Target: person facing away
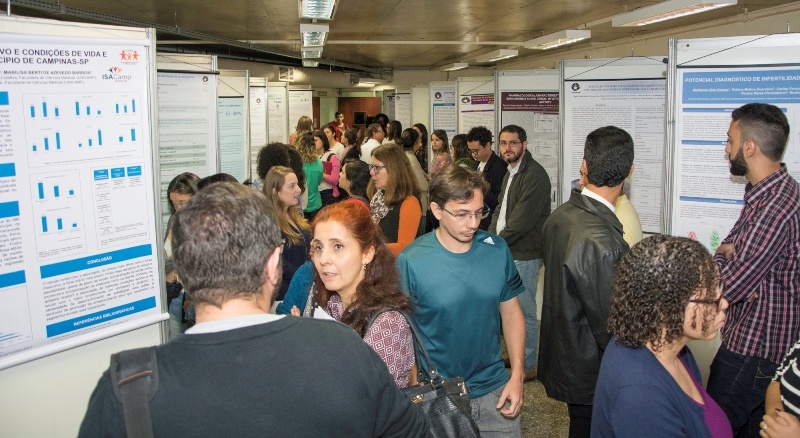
492,168
759,263
524,206
665,293
239,371
372,139
582,244
459,318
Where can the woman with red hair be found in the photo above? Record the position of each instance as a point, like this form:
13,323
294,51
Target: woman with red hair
357,283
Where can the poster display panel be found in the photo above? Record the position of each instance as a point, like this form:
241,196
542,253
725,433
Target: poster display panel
402,107
300,104
388,104
632,97
258,124
475,104
232,130
278,112
443,107
78,232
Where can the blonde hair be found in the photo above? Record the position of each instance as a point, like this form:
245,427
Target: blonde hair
307,148
273,183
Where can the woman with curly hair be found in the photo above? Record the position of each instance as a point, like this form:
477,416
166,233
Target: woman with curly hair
357,283
395,196
666,292
313,170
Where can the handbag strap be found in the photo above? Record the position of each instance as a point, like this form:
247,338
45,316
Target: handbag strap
134,376
432,374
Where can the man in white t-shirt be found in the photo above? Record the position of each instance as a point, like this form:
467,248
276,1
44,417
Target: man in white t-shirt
374,136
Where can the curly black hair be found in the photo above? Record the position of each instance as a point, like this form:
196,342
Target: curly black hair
652,286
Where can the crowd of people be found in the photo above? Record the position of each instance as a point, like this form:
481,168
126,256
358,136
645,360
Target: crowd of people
376,236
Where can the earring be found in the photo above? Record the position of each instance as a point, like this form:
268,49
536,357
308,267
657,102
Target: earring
364,265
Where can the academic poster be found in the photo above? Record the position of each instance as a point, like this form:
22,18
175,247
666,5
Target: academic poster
78,229
258,124
443,108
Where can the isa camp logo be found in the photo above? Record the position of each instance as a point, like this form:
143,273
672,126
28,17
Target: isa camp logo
115,74
129,56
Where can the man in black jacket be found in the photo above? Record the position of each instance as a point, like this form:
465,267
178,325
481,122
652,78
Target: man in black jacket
582,244
492,167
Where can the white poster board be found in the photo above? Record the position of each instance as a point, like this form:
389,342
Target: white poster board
530,99
187,118
402,107
300,104
475,105
711,78
259,136
278,112
629,93
78,194
233,127
388,105
443,107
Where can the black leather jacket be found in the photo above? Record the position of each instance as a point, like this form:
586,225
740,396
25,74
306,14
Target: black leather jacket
582,244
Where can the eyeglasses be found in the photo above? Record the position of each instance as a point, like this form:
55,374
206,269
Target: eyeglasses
374,168
465,216
474,151
512,143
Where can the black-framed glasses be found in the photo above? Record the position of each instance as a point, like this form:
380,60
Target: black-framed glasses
465,216
374,168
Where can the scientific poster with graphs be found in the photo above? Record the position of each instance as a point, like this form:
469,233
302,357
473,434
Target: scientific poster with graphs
475,105
78,227
705,198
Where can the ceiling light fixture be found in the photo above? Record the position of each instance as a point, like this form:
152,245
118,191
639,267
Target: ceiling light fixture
666,11
497,55
312,52
317,9
314,34
454,66
307,63
562,38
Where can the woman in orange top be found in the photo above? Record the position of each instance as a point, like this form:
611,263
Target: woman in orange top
395,196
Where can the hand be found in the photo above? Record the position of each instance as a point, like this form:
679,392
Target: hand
512,393
295,311
726,250
780,424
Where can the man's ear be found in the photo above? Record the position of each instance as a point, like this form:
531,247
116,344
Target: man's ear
271,269
749,148
437,211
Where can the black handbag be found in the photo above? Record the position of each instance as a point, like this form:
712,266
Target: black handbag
445,402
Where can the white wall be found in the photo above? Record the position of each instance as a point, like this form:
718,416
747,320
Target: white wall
48,397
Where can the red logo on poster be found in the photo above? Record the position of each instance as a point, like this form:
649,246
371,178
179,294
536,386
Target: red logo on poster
129,56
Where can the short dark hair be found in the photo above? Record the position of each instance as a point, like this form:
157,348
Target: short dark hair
337,114
514,129
456,183
184,184
423,133
221,242
273,154
372,129
766,125
381,119
609,156
215,178
480,134
652,286
357,172
320,134
408,138
351,134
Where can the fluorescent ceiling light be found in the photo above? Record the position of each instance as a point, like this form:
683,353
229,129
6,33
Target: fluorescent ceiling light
562,38
307,63
497,55
313,52
372,81
317,9
314,34
667,11
364,85
454,66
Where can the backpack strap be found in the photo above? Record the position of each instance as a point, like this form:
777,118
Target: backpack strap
134,375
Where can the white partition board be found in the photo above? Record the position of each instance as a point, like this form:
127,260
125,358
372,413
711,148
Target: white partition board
300,104
530,99
443,107
475,103
402,106
233,128
388,105
278,112
259,136
629,93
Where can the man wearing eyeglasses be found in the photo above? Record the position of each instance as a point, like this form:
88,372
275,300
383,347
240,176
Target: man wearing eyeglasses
464,286
582,244
518,219
492,167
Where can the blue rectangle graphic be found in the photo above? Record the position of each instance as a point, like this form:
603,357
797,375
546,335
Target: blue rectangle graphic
7,170
3,97
712,200
118,172
100,317
134,170
12,279
9,209
100,174
94,261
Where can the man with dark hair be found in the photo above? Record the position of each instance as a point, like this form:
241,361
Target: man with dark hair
582,244
373,138
458,317
759,265
239,371
523,208
493,169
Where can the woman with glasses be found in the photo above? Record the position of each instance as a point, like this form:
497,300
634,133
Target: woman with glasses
666,292
394,194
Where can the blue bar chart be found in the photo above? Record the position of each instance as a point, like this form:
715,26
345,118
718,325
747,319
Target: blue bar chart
58,209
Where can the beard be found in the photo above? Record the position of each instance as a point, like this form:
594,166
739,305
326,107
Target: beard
513,159
738,164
